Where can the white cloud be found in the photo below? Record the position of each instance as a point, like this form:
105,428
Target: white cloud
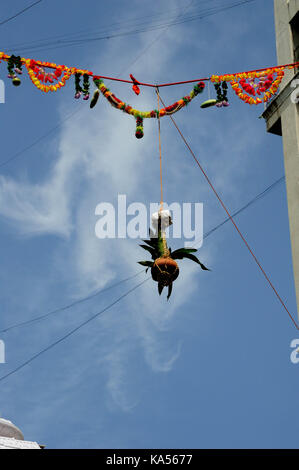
98,158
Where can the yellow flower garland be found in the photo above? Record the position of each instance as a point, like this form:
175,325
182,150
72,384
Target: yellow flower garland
234,81
46,88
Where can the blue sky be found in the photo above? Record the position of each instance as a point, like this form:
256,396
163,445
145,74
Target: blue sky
209,369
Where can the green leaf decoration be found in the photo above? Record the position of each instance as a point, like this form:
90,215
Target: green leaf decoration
169,291
196,260
185,253
160,288
208,103
150,249
146,263
152,242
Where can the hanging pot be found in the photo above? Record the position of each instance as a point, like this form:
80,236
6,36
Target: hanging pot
165,270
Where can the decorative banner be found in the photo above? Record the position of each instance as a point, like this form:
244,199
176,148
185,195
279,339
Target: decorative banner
245,84
39,76
252,87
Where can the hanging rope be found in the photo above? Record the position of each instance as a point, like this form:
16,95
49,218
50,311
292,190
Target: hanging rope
160,152
234,223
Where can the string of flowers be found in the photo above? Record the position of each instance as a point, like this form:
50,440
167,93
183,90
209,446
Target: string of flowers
154,113
267,84
39,77
244,84
140,115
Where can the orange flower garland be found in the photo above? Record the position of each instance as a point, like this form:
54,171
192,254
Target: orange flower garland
39,77
235,83
30,64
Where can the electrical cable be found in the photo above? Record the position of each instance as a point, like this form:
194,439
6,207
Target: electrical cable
70,43
19,13
233,222
53,129
66,307
205,235
71,332
249,203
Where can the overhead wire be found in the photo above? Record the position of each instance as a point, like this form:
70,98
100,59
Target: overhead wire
232,220
205,235
71,332
81,325
53,129
72,304
40,317
113,25
244,207
42,137
19,13
75,42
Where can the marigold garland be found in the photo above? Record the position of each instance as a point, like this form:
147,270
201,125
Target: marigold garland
37,78
154,113
243,84
239,84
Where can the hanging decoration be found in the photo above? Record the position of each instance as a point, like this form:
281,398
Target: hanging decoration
221,100
253,87
14,66
248,85
164,267
139,127
94,99
40,76
140,115
79,89
135,86
221,91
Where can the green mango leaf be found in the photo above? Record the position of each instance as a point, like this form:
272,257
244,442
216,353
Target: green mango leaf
151,242
181,255
208,103
160,288
169,291
182,251
146,263
150,249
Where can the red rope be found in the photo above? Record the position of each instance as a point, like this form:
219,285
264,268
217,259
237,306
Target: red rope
233,222
40,63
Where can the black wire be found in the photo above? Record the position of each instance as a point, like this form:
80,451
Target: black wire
73,42
66,307
89,30
53,129
67,335
209,232
16,155
37,141
160,35
252,201
259,196
19,13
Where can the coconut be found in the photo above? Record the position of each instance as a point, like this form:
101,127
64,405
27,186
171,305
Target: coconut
165,270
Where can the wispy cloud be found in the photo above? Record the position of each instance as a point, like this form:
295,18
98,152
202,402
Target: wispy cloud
98,158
